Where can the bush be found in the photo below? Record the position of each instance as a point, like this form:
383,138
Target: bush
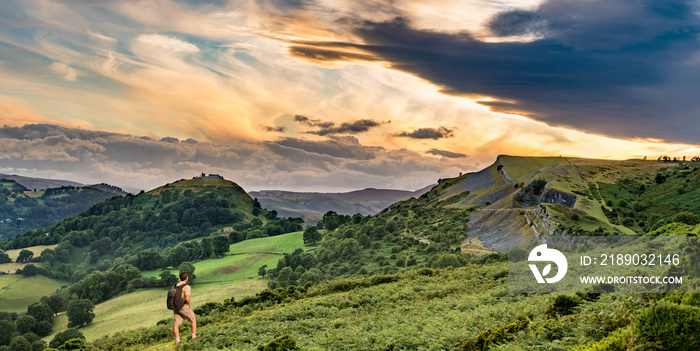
283,343
672,326
563,305
683,217
64,336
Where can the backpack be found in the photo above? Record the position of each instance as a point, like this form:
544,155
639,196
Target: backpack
175,301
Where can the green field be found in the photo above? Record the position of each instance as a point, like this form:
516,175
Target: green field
16,293
244,258
144,308
217,280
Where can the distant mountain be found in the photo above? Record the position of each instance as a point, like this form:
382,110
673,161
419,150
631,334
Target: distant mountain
312,206
39,183
23,209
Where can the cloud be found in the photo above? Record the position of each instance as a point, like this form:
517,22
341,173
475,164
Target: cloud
445,153
330,128
66,72
625,69
135,163
168,43
428,133
274,129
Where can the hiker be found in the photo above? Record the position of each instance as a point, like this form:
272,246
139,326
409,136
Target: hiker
186,311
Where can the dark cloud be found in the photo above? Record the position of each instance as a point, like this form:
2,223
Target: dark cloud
445,153
428,133
170,140
326,55
135,163
330,128
274,129
624,68
517,22
313,122
342,147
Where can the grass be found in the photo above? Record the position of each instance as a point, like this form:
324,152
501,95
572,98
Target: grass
18,293
217,279
518,168
144,308
11,268
35,249
244,258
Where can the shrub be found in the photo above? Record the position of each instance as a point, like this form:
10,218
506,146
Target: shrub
563,305
672,326
283,343
64,336
683,217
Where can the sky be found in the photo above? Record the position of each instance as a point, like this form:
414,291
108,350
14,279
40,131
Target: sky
334,95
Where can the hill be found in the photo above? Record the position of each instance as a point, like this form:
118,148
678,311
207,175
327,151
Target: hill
458,308
312,206
39,183
518,200
23,209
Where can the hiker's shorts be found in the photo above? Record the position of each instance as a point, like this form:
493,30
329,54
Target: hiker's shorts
184,313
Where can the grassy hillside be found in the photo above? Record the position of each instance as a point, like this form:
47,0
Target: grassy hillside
18,292
217,279
244,258
465,308
519,199
144,308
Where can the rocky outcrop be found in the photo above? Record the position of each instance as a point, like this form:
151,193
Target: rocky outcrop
553,196
538,192
542,222
499,168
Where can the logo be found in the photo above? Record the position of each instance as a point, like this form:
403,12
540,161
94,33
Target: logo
542,253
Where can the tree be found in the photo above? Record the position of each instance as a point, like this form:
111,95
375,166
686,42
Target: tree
312,275
189,268
178,255
167,278
25,324
312,235
262,271
40,311
4,257
38,345
80,313
43,328
29,270
235,237
221,245
7,331
286,277
25,256
19,343
64,336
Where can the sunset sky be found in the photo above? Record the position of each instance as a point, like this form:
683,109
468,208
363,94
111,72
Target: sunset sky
336,95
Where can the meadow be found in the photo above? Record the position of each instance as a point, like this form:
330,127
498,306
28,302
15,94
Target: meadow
234,275
144,308
18,292
244,258
36,250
